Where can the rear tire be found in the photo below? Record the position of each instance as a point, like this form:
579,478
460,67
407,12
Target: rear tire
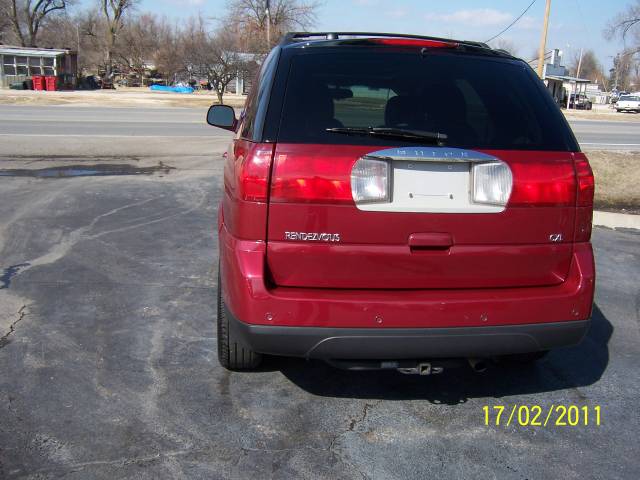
233,354
524,358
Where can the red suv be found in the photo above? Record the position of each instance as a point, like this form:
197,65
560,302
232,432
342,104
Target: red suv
392,200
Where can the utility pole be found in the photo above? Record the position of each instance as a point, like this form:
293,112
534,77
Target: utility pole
543,39
579,65
267,10
575,96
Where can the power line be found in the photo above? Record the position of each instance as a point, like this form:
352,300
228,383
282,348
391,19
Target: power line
512,23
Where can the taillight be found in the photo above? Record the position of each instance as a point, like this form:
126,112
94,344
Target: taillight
370,181
584,199
311,179
492,183
586,183
542,184
253,173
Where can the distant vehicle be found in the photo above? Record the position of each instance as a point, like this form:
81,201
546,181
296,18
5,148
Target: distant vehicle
391,200
628,103
580,102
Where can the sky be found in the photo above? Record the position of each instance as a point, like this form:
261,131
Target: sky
574,24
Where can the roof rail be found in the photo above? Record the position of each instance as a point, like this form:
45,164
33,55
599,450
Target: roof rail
293,37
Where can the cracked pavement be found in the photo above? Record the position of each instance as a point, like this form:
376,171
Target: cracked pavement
108,363
20,314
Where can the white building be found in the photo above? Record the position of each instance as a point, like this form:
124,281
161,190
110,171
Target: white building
18,64
557,79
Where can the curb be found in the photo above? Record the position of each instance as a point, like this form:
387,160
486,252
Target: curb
616,220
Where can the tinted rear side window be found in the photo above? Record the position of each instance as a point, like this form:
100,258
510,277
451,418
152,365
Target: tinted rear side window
252,117
479,102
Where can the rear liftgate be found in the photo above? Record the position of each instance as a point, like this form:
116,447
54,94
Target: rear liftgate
419,218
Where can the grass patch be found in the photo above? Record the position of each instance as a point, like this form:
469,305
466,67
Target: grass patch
617,177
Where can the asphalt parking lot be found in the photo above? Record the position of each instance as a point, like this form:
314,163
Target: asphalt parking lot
108,363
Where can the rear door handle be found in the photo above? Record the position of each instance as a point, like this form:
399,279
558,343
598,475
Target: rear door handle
430,241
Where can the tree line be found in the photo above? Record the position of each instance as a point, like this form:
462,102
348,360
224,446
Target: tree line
115,36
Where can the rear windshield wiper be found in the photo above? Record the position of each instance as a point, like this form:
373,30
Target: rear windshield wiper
412,135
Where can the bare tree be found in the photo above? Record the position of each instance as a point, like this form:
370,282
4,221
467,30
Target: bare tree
5,21
60,31
114,13
622,71
28,16
224,63
92,40
625,24
589,67
213,56
140,43
253,19
169,58
506,45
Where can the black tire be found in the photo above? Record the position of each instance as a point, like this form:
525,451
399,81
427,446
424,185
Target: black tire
524,358
233,354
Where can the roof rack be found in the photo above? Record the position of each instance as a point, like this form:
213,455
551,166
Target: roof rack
294,37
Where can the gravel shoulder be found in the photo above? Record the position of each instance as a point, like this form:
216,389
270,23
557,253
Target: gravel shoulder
123,97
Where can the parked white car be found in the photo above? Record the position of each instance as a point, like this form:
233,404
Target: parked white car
628,103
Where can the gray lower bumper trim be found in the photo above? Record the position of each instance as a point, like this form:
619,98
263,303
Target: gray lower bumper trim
408,343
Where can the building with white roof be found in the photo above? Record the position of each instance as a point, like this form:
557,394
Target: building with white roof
18,64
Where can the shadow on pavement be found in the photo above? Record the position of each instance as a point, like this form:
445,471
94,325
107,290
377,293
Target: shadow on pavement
562,369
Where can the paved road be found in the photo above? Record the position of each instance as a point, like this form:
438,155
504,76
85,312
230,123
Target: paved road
30,121
108,351
607,135
96,121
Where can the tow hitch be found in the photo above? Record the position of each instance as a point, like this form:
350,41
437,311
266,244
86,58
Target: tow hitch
421,369
408,367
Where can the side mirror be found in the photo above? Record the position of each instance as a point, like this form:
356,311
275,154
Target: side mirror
222,116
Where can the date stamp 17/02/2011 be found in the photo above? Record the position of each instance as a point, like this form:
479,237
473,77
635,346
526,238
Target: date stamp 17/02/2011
541,416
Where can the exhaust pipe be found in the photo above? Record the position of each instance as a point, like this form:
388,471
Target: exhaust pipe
478,365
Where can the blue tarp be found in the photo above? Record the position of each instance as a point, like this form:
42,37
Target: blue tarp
163,88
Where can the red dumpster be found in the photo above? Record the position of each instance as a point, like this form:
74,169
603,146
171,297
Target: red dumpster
38,82
50,83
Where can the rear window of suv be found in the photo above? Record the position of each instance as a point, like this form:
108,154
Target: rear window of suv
477,101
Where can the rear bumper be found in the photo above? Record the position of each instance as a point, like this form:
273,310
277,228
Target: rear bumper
407,343
400,324
250,298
